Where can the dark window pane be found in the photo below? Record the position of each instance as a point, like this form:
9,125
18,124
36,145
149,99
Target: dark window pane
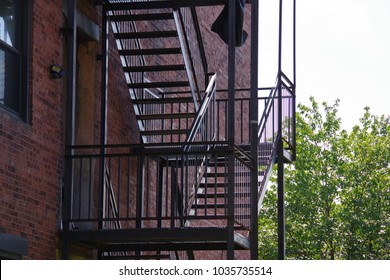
9,80
9,22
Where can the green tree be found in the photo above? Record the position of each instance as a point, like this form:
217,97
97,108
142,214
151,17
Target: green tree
337,192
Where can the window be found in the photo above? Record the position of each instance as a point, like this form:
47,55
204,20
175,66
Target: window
13,46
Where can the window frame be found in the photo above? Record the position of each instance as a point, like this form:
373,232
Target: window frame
23,32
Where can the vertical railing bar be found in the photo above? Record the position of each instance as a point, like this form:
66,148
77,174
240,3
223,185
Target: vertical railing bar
139,200
187,190
182,194
90,188
119,186
103,110
159,195
128,188
80,186
166,187
146,186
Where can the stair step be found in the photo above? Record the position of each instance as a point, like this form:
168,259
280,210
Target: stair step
210,206
142,17
155,68
159,84
158,51
225,174
220,195
219,206
141,257
146,34
164,100
218,163
213,185
165,132
211,195
167,116
216,175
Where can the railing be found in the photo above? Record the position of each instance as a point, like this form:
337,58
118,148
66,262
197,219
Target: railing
110,207
153,186
288,113
267,136
204,126
242,188
268,124
242,124
269,129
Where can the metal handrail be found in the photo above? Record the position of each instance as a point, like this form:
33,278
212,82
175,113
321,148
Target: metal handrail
282,83
200,41
186,58
196,126
111,200
267,109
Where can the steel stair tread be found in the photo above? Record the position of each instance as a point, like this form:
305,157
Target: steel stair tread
164,100
142,17
159,84
146,34
139,257
165,132
167,116
220,206
220,195
213,185
151,51
155,68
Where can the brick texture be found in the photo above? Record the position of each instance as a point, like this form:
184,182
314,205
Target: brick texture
31,158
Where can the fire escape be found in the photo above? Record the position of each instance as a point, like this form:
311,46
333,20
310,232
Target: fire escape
192,185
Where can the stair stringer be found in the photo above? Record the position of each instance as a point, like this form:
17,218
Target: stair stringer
155,91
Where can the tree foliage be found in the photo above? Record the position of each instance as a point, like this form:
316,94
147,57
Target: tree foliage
337,192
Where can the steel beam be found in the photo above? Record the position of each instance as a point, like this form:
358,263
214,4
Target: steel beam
171,246
150,235
70,125
253,112
231,124
103,112
280,150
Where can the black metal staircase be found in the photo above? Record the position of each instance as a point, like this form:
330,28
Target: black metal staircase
171,195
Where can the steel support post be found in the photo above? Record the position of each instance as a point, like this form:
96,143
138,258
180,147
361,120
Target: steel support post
231,124
280,158
253,112
140,191
70,126
103,112
281,206
295,81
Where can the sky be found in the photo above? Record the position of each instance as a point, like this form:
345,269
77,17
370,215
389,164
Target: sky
342,51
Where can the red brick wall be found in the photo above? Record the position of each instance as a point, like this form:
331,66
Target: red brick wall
32,154
31,157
